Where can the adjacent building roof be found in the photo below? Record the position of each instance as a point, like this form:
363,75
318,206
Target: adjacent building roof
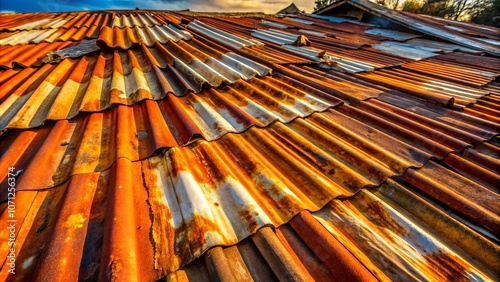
154,145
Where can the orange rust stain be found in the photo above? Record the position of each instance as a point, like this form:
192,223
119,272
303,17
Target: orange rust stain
380,213
450,269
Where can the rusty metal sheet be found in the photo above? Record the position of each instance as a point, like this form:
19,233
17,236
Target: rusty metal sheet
96,82
50,35
30,54
275,36
171,217
133,20
424,86
393,244
422,136
394,34
222,37
418,23
127,37
13,22
445,47
188,192
405,50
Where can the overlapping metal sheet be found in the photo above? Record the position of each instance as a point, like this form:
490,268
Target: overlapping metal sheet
50,35
30,54
369,235
127,37
133,20
394,34
94,83
32,21
424,86
222,36
70,143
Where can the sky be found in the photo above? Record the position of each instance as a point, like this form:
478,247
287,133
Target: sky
266,6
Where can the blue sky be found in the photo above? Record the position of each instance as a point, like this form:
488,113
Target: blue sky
267,6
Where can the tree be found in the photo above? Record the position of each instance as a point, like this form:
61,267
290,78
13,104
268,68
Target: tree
488,14
412,6
391,4
320,4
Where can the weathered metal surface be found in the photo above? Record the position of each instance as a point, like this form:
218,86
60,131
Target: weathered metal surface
125,38
30,54
405,50
49,35
428,87
172,217
419,23
133,20
222,37
33,21
96,82
445,47
394,34
393,244
80,50
70,142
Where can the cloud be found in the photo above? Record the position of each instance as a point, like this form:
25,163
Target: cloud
266,6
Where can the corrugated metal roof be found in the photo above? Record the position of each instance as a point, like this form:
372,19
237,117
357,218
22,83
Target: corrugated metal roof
191,149
73,144
373,234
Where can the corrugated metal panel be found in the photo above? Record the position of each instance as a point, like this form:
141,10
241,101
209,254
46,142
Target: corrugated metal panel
133,20
32,21
29,54
410,187
125,38
486,63
446,47
69,142
94,83
50,35
394,232
222,37
405,50
424,86
275,36
86,19
421,24
211,113
394,34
